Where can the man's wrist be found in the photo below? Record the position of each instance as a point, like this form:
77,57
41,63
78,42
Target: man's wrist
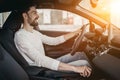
74,69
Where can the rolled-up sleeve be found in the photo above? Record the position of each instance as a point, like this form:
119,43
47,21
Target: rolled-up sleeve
39,59
52,40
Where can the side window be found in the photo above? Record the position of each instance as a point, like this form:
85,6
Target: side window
59,20
1,20
3,17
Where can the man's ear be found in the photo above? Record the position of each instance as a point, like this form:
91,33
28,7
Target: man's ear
24,15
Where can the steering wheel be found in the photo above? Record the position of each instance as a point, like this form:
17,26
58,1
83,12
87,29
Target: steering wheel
78,40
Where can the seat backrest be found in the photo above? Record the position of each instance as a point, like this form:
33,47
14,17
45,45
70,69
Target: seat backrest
7,41
7,37
9,68
2,77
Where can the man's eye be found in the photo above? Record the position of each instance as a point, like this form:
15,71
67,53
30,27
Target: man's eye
35,12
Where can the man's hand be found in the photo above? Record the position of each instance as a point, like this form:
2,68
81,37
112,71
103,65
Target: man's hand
72,34
84,71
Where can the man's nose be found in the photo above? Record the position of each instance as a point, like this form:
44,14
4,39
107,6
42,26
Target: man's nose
37,15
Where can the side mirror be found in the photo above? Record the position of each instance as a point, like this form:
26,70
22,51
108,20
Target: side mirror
93,3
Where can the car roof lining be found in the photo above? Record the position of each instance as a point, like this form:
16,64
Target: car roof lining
19,4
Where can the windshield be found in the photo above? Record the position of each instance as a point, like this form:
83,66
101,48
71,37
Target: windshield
106,9
101,9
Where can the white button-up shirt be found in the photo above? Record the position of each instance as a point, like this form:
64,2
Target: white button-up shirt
29,44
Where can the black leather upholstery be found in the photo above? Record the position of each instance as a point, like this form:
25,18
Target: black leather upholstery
2,77
109,64
6,40
9,68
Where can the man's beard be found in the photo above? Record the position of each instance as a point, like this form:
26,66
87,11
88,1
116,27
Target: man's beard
34,23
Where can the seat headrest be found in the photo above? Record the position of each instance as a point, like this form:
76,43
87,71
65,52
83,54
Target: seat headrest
13,21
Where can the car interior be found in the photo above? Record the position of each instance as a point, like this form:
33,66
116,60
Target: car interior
103,56
7,41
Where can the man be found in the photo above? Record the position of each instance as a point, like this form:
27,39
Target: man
29,43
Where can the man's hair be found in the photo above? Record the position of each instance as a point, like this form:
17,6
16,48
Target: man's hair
25,9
